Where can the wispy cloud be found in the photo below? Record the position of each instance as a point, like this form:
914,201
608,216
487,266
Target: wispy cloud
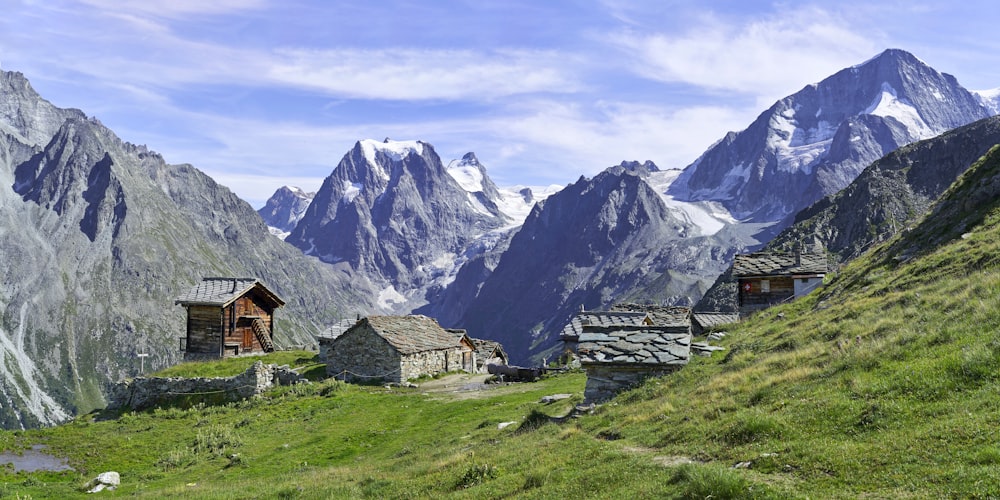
175,8
413,74
769,56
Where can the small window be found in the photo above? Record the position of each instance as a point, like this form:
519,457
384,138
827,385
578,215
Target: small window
765,286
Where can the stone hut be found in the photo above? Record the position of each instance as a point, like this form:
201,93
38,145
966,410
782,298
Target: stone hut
228,317
588,320
769,278
488,353
326,337
702,322
620,356
398,348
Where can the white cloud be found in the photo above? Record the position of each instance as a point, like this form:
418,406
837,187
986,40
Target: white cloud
401,73
174,8
769,57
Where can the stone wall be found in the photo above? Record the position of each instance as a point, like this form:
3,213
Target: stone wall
360,354
605,380
431,362
148,392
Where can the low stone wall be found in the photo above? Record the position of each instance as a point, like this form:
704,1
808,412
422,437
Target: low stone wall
604,381
148,392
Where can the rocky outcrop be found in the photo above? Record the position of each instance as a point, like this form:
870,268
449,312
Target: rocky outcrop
148,392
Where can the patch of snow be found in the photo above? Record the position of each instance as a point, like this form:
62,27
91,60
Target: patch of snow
888,104
395,150
279,233
351,191
389,296
990,99
20,372
513,205
469,177
709,217
477,205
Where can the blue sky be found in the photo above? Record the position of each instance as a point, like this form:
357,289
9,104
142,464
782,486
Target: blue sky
262,93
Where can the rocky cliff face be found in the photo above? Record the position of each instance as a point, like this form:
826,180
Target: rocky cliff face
815,142
392,212
98,237
892,193
284,209
596,241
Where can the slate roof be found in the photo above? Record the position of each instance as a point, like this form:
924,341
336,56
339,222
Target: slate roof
628,315
223,291
778,264
714,319
644,346
337,329
486,349
601,318
411,334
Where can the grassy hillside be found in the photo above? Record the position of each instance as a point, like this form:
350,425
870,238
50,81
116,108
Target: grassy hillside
882,385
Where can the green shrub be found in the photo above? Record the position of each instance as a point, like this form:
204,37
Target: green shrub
477,474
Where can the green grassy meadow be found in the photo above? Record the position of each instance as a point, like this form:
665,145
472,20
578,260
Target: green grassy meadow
882,384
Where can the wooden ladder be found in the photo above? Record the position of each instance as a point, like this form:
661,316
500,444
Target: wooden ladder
260,330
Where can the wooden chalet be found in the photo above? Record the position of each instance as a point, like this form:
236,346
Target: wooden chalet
766,279
228,317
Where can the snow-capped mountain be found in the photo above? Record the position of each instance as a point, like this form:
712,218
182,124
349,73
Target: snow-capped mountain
394,212
816,141
284,209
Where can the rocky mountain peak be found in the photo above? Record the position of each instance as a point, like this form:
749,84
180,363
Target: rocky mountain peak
285,208
786,159
392,210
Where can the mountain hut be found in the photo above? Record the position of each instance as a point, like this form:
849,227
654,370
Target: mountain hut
228,317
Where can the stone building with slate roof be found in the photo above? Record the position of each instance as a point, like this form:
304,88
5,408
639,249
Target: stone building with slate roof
326,337
767,278
397,349
702,322
622,355
488,353
228,317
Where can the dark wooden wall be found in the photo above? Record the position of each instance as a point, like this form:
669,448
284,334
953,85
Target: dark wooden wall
204,329
781,289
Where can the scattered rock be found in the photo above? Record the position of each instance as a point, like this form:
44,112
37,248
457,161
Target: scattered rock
504,425
743,465
104,481
553,398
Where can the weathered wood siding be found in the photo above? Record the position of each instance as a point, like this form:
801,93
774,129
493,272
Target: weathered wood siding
238,323
204,330
760,296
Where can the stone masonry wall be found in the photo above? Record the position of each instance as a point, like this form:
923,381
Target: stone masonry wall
431,362
362,355
147,392
605,381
